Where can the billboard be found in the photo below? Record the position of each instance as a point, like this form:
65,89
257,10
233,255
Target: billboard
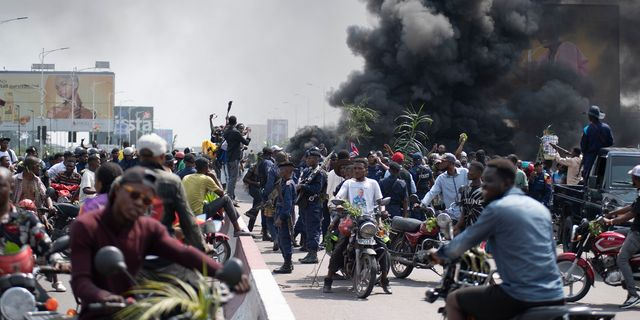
166,134
277,131
73,101
582,39
131,122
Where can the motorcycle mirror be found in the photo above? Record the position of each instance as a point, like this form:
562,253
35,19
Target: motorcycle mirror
60,244
584,223
51,193
384,201
337,202
109,260
443,220
231,273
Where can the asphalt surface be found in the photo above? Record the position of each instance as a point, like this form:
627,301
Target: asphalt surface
308,302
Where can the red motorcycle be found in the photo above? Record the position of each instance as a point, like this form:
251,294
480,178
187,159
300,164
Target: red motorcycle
411,240
578,271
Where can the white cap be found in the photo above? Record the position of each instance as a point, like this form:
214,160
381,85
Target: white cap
635,171
127,151
276,148
153,143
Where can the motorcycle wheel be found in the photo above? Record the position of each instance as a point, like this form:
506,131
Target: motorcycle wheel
366,278
577,276
221,251
400,270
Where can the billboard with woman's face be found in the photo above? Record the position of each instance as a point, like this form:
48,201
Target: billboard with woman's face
81,101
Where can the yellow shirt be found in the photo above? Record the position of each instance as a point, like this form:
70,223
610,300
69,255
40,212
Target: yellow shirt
196,186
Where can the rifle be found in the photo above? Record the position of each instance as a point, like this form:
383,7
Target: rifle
312,176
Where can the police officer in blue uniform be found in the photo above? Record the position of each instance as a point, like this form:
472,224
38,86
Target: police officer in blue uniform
284,207
310,188
395,188
421,174
540,185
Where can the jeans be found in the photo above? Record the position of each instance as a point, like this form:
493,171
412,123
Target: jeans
630,247
223,202
284,240
232,171
312,216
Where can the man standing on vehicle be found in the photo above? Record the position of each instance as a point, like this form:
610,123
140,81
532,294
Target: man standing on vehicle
520,234
364,193
631,244
311,187
595,136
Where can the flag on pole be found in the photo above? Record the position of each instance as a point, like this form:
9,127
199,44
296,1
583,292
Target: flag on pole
354,150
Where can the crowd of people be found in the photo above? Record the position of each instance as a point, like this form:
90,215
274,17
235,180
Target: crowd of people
148,194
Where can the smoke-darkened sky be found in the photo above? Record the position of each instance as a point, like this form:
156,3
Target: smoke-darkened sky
188,58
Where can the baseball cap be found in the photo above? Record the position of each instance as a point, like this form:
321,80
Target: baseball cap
153,143
275,148
635,171
416,156
449,157
179,155
397,157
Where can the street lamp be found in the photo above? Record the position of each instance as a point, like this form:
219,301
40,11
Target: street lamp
33,126
14,19
42,55
19,128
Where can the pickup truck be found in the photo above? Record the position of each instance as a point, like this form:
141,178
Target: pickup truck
608,187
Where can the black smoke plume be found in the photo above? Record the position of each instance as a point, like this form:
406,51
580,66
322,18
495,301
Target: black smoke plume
309,137
462,59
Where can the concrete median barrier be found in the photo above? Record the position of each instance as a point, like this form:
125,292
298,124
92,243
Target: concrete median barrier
265,300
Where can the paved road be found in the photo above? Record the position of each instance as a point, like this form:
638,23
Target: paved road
308,302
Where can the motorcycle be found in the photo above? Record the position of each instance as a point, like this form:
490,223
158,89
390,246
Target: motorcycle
411,240
577,268
220,249
473,269
366,247
20,292
109,260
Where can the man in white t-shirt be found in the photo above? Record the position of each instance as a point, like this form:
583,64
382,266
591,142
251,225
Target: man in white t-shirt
88,183
5,151
363,193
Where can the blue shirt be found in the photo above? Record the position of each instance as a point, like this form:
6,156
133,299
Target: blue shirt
284,205
186,171
520,233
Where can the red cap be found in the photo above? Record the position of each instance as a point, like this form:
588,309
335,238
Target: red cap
179,155
398,157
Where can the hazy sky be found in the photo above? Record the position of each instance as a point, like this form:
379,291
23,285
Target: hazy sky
188,58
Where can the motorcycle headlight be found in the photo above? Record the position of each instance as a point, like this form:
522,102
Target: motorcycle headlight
368,230
443,220
16,302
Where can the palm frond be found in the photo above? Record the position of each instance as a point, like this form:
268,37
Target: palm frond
169,294
409,136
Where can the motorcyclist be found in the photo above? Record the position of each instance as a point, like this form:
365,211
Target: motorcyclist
123,224
631,244
520,233
22,227
362,193
448,184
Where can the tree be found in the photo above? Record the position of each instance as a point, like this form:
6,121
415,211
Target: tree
409,135
358,119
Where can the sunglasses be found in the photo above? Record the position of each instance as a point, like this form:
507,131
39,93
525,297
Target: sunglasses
135,195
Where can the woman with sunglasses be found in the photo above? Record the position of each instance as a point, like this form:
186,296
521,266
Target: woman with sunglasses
123,223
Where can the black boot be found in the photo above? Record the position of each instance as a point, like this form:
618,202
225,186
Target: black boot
276,247
310,258
327,285
286,268
384,283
